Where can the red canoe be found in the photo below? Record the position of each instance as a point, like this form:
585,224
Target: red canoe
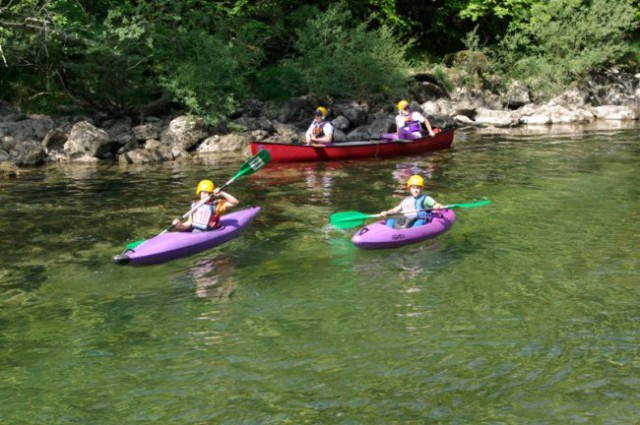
285,152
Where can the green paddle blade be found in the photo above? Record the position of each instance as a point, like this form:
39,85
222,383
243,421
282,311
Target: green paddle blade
348,219
134,244
253,164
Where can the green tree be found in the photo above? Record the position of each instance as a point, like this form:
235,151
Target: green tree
564,41
338,58
124,58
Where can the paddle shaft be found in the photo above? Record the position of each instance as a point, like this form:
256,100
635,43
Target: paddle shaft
444,207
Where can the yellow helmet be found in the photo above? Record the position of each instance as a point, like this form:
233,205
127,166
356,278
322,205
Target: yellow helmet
205,186
322,110
402,104
415,180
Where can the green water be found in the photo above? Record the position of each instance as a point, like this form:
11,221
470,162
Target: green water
526,311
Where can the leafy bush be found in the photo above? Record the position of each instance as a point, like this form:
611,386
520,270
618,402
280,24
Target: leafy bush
562,41
339,58
201,71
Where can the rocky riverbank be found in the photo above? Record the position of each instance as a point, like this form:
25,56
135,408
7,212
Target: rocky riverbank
32,140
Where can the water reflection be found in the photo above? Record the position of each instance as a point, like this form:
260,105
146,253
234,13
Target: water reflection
427,168
214,278
318,178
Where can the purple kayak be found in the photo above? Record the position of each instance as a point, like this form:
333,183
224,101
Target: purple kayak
172,245
379,236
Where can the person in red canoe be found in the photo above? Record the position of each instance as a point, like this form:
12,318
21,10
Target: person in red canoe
207,216
413,206
410,125
320,131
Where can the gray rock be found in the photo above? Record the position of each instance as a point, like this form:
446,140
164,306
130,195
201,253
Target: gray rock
147,131
31,129
355,113
87,141
341,123
185,132
226,143
613,112
28,154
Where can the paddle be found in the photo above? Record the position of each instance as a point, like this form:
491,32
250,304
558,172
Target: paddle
349,219
252,165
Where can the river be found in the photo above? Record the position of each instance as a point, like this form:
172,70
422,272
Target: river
526,311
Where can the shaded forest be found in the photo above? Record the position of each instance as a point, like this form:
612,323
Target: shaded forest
143,57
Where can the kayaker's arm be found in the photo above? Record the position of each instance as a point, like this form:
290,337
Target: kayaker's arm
394,210
424,121
326,139
229,199
427,124
182,225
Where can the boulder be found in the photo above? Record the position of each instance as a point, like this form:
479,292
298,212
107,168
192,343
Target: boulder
120,131
341,123
613,112
140,156
516,96
298,110
355,113
185,132
497,118
253,123
226,143
425,88
28,154
87,141
147,131
552,113
30,129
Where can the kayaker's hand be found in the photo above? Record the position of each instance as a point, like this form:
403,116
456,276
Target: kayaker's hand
431,133
216,191
176,222
383,214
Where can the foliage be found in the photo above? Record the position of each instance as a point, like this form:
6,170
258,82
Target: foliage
562,41
136,57
339,59
501,9
441,74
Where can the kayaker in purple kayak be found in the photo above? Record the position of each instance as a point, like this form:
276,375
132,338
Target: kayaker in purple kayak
207,216
320,131
411,124
413,206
